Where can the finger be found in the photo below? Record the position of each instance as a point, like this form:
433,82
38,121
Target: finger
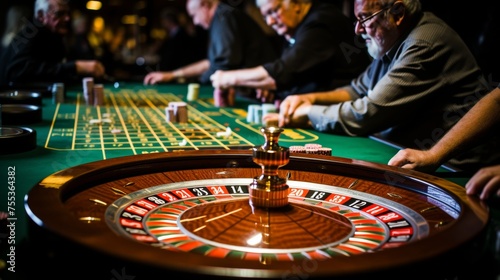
283,114
152,79
262,92
263,96
215,82
491,185
288,111
214,78
293,105
396,160
408,165
476,183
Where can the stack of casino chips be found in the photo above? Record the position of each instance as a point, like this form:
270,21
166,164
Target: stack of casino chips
98,94
176,112
58,93
224,97
311,148
93,93
257,111
193,91
88,90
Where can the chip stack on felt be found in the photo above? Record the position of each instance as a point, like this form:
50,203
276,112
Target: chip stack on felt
311,148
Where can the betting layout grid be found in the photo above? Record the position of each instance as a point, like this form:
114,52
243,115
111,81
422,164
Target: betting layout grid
147,121
136,120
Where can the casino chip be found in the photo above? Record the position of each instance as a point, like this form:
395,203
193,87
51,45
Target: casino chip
20,97
15,114
16,139
311,148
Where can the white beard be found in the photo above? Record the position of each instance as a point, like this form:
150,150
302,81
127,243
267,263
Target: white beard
373,47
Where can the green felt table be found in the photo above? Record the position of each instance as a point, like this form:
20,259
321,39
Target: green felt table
132,122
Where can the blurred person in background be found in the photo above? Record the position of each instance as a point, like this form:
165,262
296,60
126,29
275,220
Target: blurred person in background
322,51
181,44
38,52
235,41
17,17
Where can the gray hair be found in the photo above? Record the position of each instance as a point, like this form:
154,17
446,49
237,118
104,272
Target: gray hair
42,5
263,2
411,6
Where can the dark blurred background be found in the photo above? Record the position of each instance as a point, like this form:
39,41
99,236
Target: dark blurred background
125,34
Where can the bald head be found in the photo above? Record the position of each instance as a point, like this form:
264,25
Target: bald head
53,14
202,11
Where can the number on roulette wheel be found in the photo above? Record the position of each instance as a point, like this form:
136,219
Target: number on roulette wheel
216,214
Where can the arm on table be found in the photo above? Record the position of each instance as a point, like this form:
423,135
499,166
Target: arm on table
188,71
473,126
295,108
256,77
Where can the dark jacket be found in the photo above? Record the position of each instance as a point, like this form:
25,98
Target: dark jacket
35,55
236,41
323,54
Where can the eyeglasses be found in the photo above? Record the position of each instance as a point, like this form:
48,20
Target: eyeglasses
274,12
362,21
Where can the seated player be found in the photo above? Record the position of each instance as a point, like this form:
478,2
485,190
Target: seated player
481,122
14,21
181,46
322,51
235,41
36,54
422,80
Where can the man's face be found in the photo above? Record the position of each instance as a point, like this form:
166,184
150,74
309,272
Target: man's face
281,15
199,11
374,26
57,18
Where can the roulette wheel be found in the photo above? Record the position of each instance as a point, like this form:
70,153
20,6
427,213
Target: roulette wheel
259,213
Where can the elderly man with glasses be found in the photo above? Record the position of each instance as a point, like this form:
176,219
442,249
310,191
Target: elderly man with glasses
322,51
37,53
422,80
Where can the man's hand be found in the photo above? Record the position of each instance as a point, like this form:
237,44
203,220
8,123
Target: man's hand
423,161
265,95
90,67
222,79
294,110
298,118
485,183
157,77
